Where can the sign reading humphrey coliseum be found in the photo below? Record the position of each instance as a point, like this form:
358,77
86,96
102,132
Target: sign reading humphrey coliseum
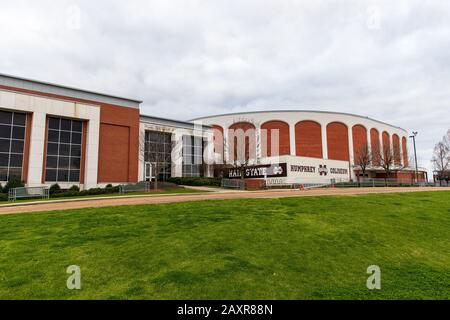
310,170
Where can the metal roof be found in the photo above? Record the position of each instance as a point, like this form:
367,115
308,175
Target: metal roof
57,89
175,123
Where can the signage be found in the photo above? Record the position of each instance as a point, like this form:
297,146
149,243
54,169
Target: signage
321,170
262,171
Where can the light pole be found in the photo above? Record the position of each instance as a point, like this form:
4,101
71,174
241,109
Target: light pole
414,135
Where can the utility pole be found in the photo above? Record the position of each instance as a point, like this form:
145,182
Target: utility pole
414,135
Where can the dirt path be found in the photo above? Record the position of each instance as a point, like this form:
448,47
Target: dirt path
155,199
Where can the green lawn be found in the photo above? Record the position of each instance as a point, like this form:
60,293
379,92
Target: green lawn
294,248
167,191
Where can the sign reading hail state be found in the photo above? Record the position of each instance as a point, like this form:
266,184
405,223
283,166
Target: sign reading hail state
278,170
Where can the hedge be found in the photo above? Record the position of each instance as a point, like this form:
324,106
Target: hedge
196,181
90,192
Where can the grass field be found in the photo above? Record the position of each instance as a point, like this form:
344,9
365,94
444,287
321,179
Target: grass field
293,248
167,191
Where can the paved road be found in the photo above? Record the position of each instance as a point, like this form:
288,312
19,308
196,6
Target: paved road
155,199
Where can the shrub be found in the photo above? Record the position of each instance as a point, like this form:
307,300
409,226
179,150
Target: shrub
1,188
13,182
3,197
109,186
74,188
196,181
54,189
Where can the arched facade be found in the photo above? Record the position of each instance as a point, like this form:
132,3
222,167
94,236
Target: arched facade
360,143
376,146
405,152
268,129
308,139
386,141
242,141
218,139
396,150
337,140
324,145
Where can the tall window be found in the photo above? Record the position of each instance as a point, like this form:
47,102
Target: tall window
192,156
63,150
158,151
12,141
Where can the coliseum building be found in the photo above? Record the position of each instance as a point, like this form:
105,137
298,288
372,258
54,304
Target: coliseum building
314,146
56,134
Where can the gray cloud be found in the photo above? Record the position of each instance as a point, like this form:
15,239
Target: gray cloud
387,59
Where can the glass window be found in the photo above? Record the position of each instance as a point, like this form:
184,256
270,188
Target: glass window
77,126
20,119
53,123
158,150
6,117
63,151
18,133
5,131
192,156
4,145
12,140
17,146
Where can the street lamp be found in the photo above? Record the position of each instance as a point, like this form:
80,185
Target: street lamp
414,135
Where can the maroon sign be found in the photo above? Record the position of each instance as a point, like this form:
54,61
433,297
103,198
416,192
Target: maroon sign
262,171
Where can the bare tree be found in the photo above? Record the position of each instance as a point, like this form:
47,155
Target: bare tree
386,159
363,159
156,152
441,158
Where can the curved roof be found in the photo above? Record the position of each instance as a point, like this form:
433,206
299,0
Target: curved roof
301,111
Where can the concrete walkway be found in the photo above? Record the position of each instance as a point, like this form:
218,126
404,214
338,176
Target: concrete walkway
172,198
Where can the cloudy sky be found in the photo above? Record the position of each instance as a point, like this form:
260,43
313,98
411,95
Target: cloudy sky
389,60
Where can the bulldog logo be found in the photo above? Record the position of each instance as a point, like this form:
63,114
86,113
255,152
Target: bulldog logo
277,170
323,171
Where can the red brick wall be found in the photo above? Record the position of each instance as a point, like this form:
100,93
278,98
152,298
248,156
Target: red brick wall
218,139
405,152
112,115
375,145
249,142
359,141
284,146
396,146
114,122
114,153
386,140
337,137
308,139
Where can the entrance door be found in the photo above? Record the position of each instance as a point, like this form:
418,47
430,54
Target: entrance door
148,171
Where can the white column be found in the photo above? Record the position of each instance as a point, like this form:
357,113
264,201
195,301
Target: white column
292,140
381,142
258,146
369,139
92,149
37,141
351,151
324,141
177,154
141,150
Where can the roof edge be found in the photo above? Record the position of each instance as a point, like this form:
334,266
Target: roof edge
69,88
305,110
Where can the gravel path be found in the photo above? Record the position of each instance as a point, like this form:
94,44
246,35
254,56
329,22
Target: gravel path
155,199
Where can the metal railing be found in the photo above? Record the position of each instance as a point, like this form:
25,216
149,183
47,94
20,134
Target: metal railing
28,192
374,183
143,186
233,184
